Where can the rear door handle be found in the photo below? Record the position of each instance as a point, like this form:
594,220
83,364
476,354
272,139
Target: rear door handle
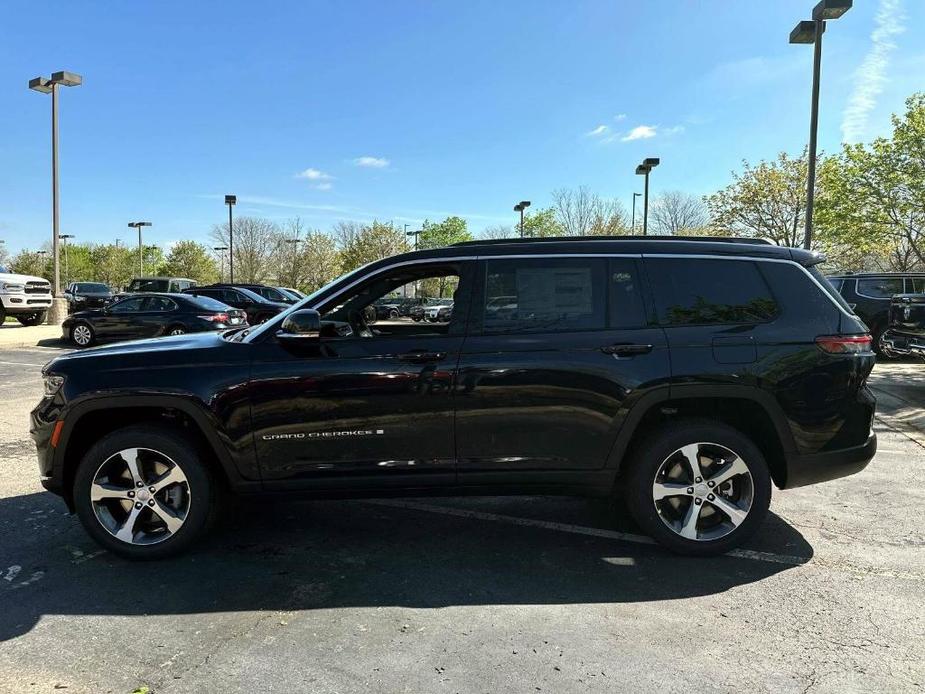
626,350
422,357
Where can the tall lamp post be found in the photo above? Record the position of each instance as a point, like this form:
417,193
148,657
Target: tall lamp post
141,262
221,255
635,195
811,32
415,234
231,201
644,169
520,207
64,238
50,86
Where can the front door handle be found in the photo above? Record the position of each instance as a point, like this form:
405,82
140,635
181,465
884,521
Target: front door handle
626,350
422,357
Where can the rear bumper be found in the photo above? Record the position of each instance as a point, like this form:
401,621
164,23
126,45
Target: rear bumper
896,344
821,467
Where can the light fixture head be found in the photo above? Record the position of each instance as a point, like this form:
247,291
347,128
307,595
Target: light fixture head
831,9
67,79
804,32
651,162
231,199
642,170
40,84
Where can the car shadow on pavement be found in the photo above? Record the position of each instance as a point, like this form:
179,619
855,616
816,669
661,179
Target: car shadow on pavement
302,555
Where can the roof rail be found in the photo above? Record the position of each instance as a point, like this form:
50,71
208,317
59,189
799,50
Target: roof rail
571,239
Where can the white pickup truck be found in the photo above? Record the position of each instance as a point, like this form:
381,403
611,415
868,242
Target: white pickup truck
24,297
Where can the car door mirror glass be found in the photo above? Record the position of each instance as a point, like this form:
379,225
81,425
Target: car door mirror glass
304,324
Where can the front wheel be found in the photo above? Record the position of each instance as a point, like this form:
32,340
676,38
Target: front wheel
144,492
699,488
82,334
30,319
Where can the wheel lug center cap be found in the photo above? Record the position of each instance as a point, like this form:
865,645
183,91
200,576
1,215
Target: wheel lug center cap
701,489
143,494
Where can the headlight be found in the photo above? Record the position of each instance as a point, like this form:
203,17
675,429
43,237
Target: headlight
80,298
52,384
12,288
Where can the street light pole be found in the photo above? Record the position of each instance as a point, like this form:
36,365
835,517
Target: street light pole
64,238
50,86
645,169
635,195
520,207
221,255
231,201
141,262
811,32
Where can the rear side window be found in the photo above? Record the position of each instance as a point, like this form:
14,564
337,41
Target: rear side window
554,295
707,292
159,303
882,288
627,308
915,285
830,289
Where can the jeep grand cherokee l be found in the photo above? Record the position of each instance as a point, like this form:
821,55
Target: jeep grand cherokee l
686,376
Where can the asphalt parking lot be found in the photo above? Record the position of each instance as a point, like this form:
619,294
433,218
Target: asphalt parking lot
471,595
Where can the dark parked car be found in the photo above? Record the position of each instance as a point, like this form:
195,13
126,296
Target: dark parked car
84,295
868,294
388,309
255,306
685,376
275,294
149,315
294,293
905,335
141,285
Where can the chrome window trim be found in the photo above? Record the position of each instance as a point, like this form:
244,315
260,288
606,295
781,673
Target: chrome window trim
462,258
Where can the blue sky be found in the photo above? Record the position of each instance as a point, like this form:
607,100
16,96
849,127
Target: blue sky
410,110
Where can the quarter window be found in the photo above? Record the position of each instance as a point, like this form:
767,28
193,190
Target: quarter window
705,292
554,295
882,288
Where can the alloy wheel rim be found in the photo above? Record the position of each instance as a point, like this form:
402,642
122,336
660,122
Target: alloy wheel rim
82,335
140,496
703,491
178,331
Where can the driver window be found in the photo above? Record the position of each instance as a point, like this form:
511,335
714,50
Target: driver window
408,302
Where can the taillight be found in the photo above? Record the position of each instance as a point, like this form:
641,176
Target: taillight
844,344
216,317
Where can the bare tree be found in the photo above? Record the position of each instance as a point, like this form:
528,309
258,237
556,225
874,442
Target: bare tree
580,212
499,231
255,241
675,213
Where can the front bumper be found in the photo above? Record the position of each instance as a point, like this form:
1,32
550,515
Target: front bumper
821,467
25,303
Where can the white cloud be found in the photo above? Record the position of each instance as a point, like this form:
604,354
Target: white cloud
620,117
314,175
640,132
371,162
871,75
598,131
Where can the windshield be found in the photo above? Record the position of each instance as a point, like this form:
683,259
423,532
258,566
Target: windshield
148,286
251,334
95,287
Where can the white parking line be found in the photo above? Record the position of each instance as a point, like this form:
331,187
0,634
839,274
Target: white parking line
576,529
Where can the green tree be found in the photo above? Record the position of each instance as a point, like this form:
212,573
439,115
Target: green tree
320,261
542,224
113,265
190,259
439,234
32,263
365,243
873,208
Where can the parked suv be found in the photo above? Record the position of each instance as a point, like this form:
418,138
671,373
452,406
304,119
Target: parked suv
682,376
24,297
85,295
868,294
141,285
257,308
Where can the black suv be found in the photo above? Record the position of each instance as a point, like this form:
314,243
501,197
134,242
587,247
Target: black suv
868,294
683,375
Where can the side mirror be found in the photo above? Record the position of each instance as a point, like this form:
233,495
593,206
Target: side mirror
302,325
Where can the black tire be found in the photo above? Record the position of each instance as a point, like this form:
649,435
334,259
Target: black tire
646,460
393,314
30,319
2,314
75,340
876,335
204,491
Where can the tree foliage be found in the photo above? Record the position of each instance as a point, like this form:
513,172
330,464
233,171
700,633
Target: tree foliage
190,259
365,243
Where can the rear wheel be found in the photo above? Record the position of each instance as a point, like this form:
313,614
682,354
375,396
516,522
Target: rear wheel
82,334
30,319
699,487
176,330
144,492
